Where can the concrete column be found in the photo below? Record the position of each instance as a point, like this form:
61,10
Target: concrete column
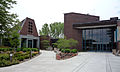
38,43
26,43
32,43
20,42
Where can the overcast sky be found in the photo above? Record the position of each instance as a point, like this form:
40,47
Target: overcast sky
49,11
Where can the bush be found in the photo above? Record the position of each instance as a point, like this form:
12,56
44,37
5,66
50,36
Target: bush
18,49
26,49
65,50
69,50
26,56
15,61
4,63
34,54
45,43
4,56
34,49
21,58
4,49
11,49
17,54
66,43
62,50
74,51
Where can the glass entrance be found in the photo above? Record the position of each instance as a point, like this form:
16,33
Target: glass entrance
29,43
97,39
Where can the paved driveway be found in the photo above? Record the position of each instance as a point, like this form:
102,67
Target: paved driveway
84,62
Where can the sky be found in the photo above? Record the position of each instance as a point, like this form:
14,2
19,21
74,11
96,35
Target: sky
49,11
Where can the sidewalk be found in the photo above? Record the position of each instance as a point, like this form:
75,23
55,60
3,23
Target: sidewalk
84,62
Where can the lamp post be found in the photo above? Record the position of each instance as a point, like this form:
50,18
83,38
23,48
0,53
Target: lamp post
11,57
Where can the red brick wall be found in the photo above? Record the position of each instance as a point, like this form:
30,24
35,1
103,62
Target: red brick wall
24,29
69,32
118,43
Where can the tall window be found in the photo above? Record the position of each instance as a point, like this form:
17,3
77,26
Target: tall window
98,39
30,26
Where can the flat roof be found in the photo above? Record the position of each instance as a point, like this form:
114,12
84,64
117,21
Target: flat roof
95,24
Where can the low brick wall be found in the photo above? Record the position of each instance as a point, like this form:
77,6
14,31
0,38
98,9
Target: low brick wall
62,56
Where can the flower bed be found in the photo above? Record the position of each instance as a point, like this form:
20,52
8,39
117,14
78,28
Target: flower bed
66,53
62,56
17,57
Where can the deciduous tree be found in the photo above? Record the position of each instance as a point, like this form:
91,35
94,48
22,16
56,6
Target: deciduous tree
7,19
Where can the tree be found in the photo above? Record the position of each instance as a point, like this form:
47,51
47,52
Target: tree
65,44
14,37
54,30
45,30
45,44
7,19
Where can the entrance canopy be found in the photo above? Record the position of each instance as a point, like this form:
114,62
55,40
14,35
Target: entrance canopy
95,24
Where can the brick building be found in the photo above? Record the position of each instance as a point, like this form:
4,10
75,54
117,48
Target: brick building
28,34
91,33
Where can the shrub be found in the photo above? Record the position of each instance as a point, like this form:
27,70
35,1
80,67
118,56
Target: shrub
11,49
34,49
17,54
66,43
21,58
15,61
45,44
4,49
65,50
26,56
26,49
18,49
4,63
74,51
34,54
4,56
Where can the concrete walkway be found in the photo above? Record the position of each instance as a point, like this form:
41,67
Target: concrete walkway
84,62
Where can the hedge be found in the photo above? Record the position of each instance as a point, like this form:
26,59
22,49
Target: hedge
69,50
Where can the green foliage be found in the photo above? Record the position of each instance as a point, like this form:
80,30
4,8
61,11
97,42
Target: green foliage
26,49
55,30
14,39
30,49
4,49
45,44
20,58
64,43
4,56
74,51
34,49
69,50
17,54
18,49
7,19
27,56
66,50
45,30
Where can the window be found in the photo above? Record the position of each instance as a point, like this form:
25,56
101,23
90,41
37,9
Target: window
30,30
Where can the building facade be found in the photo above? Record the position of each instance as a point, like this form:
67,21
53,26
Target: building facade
28,34
91,33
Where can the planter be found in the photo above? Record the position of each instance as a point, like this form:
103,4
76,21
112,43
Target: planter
62,56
